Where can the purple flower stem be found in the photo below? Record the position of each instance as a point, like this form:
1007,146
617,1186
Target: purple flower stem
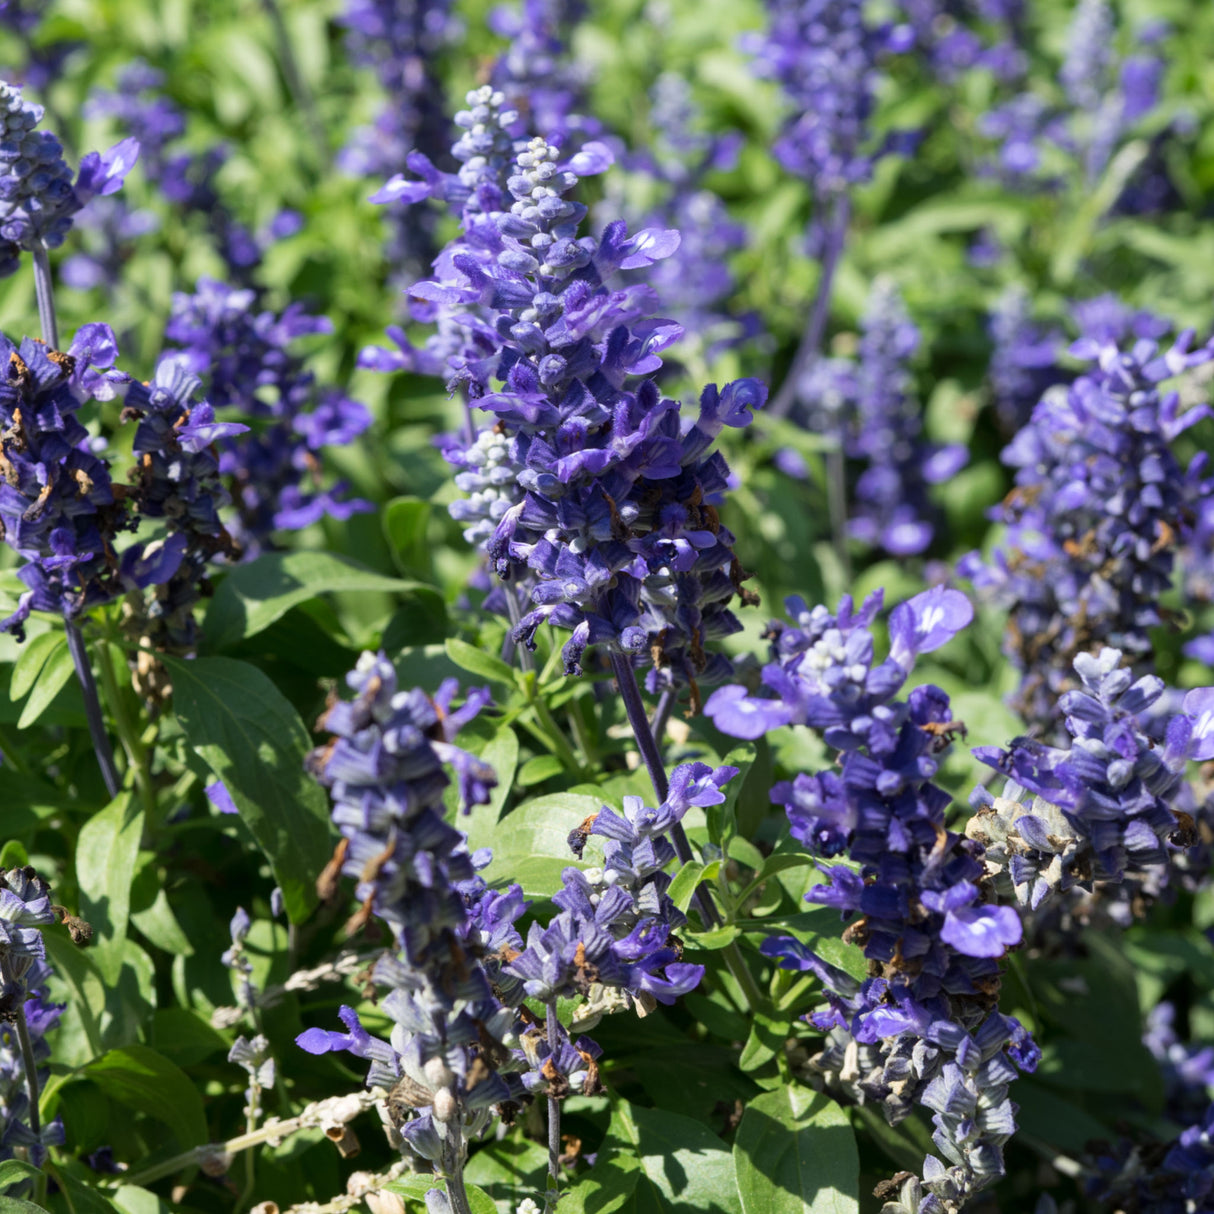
45,291
453,1171
30,1065
554,1119
661,714
815,325
92,708
509,648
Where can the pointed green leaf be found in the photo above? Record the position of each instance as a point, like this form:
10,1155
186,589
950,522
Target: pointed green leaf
251,597
480,663
147,1082
52,679
105,866
252,739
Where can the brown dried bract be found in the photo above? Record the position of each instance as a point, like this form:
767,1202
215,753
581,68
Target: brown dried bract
326,883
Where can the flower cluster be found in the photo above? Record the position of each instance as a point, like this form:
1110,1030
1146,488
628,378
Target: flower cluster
885,432
385,771
1100,506
25,908
38,198
944,34
613,518
58,507
615,925
244,359
824,55
1188,1070
177,479
1182,1182
464,1046
1106,97
924,1027
401,42
1100,811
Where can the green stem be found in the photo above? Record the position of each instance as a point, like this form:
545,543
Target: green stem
136,753
556,735
30,1064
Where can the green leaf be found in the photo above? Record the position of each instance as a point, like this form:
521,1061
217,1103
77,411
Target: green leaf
184,1037
105,866
160,926
685,882
531,844
670,1162
52,678
501,753
81,1198
13,1170
252,739
478,662
766,1040
796,1154
251,597
405,522
147,1082
415,1188
30,661
509,1171
14,1205
538,769
13,855
718,938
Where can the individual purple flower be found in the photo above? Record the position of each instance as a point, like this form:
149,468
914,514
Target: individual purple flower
38,197
1100,507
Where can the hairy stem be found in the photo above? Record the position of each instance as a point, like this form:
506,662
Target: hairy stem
30,1064
526,660
453,1170
44,289
815,323
92,708
273,1129
554,1119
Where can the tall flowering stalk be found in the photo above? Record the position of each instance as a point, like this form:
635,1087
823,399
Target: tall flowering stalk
1100,507
924,1028
602,502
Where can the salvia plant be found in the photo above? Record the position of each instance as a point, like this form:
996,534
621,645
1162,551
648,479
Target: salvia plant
606,608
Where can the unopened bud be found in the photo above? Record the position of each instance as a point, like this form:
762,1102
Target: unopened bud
383,1202
445,1105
